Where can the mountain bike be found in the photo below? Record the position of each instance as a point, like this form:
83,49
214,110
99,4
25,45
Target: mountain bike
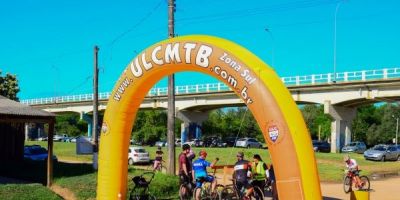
206,187
159,168
231,192
350,178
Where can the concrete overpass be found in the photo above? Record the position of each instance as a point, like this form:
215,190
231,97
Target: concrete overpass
193,102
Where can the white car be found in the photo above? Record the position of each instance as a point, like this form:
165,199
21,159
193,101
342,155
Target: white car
138,155
248,142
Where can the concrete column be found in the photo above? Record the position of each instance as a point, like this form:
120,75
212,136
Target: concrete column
189,117
87,118
26,131
341,124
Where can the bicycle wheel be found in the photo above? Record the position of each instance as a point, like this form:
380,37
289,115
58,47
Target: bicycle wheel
218,190
258,194
347,184
364,183
196,191
229,193
267,186
184,195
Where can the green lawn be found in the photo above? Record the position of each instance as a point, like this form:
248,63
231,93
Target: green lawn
81,179
26,191
330,165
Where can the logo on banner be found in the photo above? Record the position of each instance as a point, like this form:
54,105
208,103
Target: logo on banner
273,132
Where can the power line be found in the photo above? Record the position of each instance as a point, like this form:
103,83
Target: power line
256,11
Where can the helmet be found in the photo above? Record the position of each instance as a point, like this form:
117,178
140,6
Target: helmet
185,146
203,153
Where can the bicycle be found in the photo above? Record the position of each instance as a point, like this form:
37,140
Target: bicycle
350,178
159,168
141,189
188,187
205,189
231,192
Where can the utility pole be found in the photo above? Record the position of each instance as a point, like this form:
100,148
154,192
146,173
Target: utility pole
171,97
95,128
397,129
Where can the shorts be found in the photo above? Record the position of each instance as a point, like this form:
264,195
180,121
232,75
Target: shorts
259,183
183,179
243,184
200,180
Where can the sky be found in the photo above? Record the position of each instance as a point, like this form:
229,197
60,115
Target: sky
49,44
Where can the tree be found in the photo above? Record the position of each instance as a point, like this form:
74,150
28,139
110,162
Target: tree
314,117
9,86
365,118
70,124
150,126
231,122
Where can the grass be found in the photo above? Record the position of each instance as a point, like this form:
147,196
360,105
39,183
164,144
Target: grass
63,150
26,191
330,165
81,179
84,186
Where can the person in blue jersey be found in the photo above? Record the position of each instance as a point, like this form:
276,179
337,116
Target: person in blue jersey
200,172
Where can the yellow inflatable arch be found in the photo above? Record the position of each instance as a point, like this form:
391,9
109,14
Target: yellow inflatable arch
251,79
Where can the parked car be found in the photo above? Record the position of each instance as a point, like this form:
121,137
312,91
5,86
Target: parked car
42,139
59,138
198,143
383,153
356,147
321,146
138,155
177,142
231,141
36,153
161,143
248,143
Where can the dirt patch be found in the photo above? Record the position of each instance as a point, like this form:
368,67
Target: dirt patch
63,192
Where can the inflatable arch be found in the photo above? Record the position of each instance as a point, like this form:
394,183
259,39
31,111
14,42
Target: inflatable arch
250,78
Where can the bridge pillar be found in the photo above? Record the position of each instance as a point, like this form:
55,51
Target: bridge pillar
87,118
341,124
191,123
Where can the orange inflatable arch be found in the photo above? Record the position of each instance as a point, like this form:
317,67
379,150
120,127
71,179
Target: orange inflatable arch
250,78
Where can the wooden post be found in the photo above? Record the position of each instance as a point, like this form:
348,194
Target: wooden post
171,98
50,153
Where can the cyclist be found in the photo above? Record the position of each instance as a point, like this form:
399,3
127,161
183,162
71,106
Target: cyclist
242,171
351,166
200,172
258,171
158,159
185,174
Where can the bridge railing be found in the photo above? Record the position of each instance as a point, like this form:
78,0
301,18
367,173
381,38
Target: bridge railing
365,75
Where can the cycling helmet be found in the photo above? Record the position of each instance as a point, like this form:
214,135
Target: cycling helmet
203,153
185,147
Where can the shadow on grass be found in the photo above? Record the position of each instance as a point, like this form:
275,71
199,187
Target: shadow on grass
37,171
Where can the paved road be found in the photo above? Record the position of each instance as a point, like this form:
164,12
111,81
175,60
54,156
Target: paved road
385,189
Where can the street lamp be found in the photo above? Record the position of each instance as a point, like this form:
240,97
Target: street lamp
334,40
273,44
397,127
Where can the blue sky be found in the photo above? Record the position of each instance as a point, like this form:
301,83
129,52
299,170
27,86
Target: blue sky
49,44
